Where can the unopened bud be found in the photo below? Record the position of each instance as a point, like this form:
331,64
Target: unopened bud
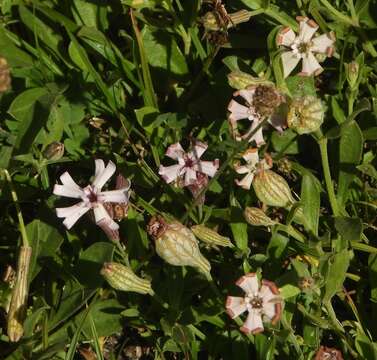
352,74
241,80
18,303
257,217
305,114
54,151
177,245
210,236
272,189
306,283
5,79
122,278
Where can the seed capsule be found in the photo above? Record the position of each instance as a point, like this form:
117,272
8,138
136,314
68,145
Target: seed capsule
305,114
210,236
18,303
272,189
257,217
122,278
177,245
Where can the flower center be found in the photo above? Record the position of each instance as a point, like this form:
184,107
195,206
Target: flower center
304,47
256,302
91,195
189,162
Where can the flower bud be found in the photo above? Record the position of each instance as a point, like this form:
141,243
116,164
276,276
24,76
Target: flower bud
352,74
210,236
240,80
305,114
272,189
54,151
177,245
257,217
5,79
122,278
18,303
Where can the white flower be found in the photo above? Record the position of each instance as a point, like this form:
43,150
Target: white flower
189,164
91,197
250,169
304,46
261,101
262,303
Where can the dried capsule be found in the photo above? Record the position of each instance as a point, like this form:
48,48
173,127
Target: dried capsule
272,189
210,236
18,303
305,114
177,245
257,217
122,278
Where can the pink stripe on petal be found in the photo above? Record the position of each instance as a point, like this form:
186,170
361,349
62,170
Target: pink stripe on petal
286,37
100,213
307,30
112,234
322,43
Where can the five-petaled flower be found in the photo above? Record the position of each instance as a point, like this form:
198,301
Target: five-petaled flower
304,46
92,197
189,166
260,102
262,303
251,168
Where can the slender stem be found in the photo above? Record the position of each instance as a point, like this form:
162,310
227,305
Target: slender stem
322,142
25,240
292,337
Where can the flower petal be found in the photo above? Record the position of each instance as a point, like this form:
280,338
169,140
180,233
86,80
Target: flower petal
247,94
67,180
66,191
237,111
170,173
175,151
289,60
253,323
269,310
190,176
72,214
307,29
251,156
101,178
286,37
235,306
257,137
242,169
208,167
323,44
199,149
116,196
248,283
100,214
246,181
99,167
310,65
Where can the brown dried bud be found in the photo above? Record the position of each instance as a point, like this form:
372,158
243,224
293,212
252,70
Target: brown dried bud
5,79
328,353
54,151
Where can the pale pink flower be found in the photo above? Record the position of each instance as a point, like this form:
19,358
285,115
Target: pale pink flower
251,167
262,303
189,164
304,46
92,198
260,102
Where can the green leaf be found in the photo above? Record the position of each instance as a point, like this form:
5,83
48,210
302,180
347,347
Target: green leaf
368,169
85,12
349,228
310,200
239,228
337,266
350,152
163,51
91,261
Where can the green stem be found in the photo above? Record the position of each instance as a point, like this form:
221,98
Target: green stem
292,337
290,230
25,240
322,142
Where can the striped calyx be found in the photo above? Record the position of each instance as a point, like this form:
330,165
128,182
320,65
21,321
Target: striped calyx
241,80
18,303
122,278
272,189
257,217
177,245
210,236
305,114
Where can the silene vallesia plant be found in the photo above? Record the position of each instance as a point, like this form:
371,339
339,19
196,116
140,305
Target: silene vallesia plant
93,198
